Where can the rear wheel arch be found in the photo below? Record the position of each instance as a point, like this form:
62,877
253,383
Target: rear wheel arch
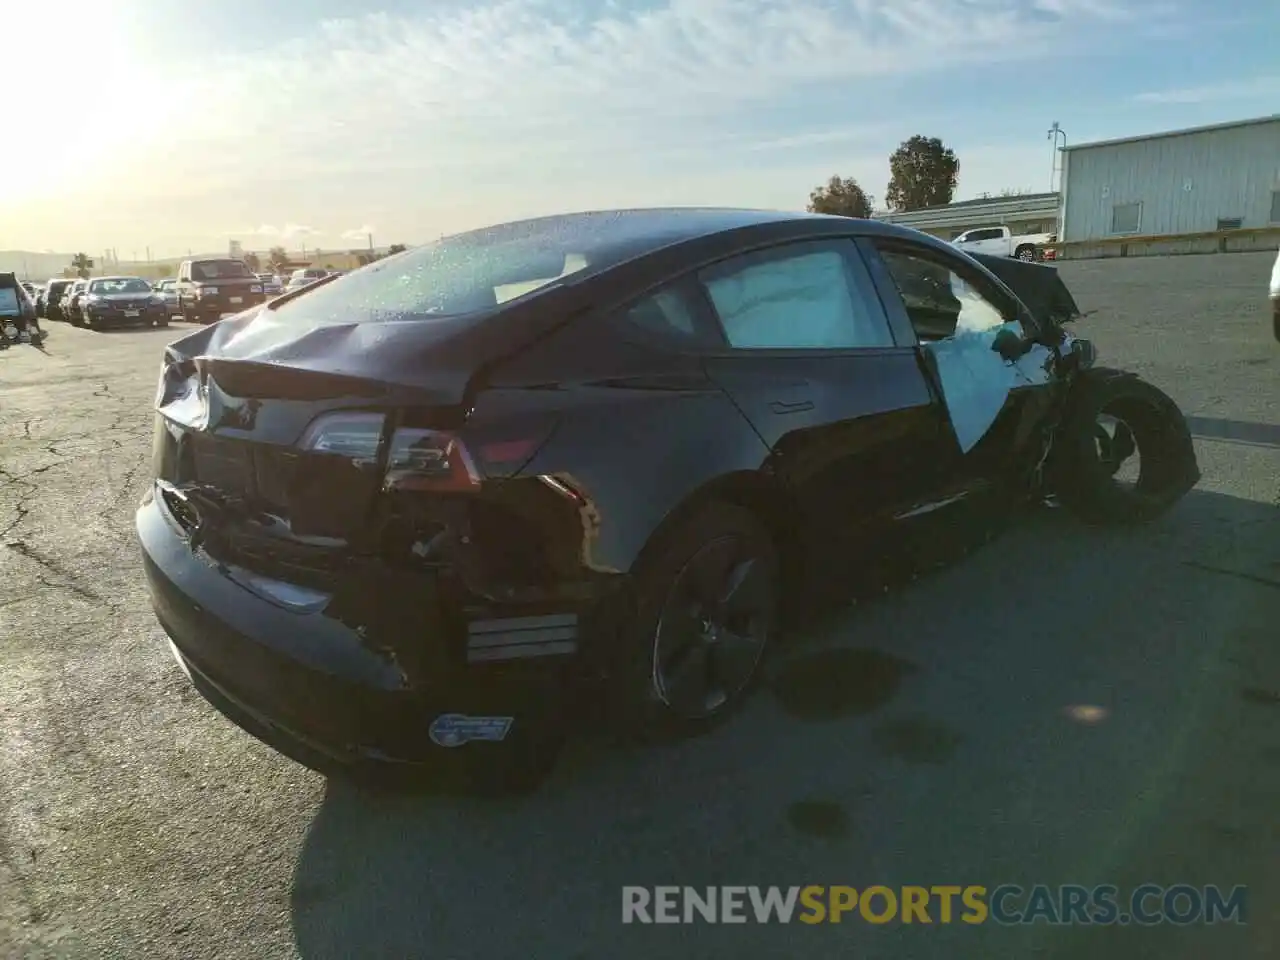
742,506
761,495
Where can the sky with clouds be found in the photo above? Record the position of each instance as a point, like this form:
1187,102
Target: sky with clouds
175,126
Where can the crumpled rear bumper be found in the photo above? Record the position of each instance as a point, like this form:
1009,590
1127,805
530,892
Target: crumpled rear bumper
324,692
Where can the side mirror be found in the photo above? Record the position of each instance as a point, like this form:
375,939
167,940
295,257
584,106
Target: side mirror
1009,345
1085,352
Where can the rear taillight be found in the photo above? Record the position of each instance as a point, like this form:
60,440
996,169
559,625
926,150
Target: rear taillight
417,459
429,460
354,436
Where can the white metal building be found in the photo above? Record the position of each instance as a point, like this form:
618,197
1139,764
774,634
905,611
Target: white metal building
1202,189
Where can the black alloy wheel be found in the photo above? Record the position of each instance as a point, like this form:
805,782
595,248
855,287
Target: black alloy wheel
706,611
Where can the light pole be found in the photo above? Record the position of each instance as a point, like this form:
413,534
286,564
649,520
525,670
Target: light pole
1054,133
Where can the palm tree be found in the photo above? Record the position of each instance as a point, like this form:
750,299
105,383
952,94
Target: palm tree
278,257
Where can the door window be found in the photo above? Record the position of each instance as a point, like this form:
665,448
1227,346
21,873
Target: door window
804,298
941,301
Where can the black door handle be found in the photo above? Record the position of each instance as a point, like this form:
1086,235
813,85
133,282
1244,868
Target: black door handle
793,406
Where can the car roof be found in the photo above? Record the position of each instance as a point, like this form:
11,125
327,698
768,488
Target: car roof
630,232
115,278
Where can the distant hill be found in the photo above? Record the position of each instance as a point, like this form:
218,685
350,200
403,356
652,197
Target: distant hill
30,265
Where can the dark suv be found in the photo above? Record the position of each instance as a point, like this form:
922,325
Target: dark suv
49,305
210,289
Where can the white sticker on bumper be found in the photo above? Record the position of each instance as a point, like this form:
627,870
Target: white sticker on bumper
456,729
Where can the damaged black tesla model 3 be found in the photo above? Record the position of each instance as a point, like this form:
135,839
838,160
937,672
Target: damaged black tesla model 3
400,516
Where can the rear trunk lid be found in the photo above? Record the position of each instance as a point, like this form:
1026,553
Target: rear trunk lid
235,453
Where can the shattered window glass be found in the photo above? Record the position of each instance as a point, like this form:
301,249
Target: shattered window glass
939,301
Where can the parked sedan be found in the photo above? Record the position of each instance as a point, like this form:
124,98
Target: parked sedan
166,292
72,302
122,302
402,521
305,278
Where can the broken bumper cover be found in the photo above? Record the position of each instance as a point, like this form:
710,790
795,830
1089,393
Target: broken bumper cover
330,697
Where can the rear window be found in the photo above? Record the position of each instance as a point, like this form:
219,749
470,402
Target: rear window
219,270
460,275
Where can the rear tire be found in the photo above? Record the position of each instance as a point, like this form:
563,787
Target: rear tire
691,654
1081,472
1026,253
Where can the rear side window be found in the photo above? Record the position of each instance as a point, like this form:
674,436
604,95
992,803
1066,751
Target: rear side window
665,313
802,298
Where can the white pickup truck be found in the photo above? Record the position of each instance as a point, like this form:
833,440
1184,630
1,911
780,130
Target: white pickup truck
1275,297
1000,242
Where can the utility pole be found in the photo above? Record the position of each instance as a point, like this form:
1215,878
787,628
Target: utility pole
148,254
371,243
1054,133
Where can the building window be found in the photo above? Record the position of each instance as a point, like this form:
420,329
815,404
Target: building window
1230,223
1126,217
1275,206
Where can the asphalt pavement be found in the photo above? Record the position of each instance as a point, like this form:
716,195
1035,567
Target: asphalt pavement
1064,705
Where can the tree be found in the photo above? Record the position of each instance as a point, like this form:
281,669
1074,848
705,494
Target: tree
278,257
165,270
841,198
396,248
252,262
922,173
82,264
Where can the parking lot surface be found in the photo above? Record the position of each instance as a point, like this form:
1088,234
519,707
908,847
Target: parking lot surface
1065,705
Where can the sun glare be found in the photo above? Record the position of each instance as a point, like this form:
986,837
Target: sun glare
87,108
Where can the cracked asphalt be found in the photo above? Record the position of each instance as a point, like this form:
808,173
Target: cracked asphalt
1064,706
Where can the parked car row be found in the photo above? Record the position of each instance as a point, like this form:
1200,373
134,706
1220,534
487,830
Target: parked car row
204,291
101,302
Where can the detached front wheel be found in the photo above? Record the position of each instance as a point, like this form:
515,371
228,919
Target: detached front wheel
706,610
1123,452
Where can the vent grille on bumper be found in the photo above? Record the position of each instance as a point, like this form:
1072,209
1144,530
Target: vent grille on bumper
519,638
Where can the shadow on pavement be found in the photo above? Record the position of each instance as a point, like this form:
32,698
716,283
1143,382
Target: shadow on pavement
1066,706
1235,431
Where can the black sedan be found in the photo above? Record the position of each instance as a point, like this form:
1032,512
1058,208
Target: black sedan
123,302
401,520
